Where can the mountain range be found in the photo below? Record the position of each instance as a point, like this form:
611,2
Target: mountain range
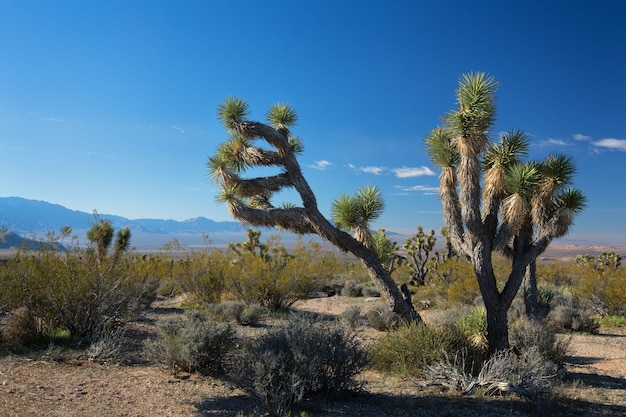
34,219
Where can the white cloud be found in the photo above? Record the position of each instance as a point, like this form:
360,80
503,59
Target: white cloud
611,143
578,136
51,119
373,170
408,172
320,165
180,129
554,142
424,188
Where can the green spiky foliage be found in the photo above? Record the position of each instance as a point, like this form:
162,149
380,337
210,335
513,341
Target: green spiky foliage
232,112
358,211
250,199
492,199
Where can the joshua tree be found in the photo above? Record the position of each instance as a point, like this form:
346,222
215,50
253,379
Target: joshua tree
101,236
253,241
418,248
492,201
387,250
249,199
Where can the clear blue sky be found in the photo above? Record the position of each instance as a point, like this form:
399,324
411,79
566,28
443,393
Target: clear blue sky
110,105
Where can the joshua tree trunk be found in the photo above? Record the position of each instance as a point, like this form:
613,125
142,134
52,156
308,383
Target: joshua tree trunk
531,302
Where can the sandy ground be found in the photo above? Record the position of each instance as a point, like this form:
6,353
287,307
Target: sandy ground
54,385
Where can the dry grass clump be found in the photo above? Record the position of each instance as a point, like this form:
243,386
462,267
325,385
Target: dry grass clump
19,328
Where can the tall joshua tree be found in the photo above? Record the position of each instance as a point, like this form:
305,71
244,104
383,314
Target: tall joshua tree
249,199
492,201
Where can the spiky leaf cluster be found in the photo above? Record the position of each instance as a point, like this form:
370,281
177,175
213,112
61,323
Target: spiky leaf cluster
356,212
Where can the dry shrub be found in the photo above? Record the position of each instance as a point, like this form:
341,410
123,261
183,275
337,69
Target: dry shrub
383,319
192,344
20,327
298,359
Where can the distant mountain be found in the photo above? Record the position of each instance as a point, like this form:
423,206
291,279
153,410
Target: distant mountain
35,218
13,241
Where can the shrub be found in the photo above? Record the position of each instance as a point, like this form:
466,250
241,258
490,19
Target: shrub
383,319
76,290
473,327
20,328
352,289
407,350
193,343
526,334
613,321
237,312
570,315
297,359
370,291
350,316
279,279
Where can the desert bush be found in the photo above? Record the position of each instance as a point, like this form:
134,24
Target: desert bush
569,314
296,359
238,312
526,334
19,328
193,343
203,275
407,350
352,289
603,288
278,279
383,319
76,291
350,316
109,344
370,291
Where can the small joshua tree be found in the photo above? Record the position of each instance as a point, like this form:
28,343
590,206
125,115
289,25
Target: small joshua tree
418,248
250,199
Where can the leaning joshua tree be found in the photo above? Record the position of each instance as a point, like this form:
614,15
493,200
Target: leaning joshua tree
492,201
253,145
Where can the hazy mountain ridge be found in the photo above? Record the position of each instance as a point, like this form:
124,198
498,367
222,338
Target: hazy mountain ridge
33,218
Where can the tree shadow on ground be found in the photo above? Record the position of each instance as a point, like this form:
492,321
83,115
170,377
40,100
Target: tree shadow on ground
597,381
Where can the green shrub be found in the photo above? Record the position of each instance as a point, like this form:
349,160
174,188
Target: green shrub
297,359
279,279
383,319
193,343
473,327
408,349
237,312
19,328
76,290
612,321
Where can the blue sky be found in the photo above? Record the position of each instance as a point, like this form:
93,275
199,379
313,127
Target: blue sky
111,105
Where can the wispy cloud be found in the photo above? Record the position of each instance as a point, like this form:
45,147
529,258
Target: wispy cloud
373,170
554,142
611,143
320,165
581,137
409,172
424,189
180,129
51,120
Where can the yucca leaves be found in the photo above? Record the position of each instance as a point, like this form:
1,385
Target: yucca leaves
509,151
282,115
558,169
296,145
231,111
476,112
571,199
523,179
356,212
441,149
